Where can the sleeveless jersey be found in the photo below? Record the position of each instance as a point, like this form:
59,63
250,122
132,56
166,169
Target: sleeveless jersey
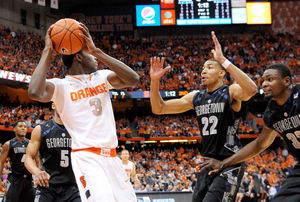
17,152
218,123
128,167
285,120
84,105
55,151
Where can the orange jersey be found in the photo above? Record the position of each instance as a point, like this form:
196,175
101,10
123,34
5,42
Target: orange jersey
84,105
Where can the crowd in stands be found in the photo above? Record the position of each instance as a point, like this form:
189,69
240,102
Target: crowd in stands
20,52
174,169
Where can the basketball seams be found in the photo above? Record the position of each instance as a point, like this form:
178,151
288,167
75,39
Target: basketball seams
64,40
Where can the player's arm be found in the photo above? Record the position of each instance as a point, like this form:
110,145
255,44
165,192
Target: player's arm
158,105
39,89
3,157
123,75
42,177
134,175
246,87
255,147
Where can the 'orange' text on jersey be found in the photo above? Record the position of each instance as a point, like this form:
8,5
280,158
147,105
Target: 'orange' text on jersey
88,92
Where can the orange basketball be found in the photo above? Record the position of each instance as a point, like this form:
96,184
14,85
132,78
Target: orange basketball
65,36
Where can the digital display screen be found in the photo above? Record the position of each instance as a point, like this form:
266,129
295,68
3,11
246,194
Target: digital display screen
148,15
203,12
120,94
258,13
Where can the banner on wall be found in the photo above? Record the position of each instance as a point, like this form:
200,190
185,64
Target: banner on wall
42,2
54,4
29,1
13,76
117,19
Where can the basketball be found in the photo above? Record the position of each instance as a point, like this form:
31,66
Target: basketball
65,36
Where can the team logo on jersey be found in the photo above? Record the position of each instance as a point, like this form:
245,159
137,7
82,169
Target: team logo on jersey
296,96
285,114
209,101
63,134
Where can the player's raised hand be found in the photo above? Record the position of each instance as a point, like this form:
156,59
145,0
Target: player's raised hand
217,51
157,69
89,46
42,179
207,162
48,41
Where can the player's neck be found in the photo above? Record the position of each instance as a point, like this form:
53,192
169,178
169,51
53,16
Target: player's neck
80,70
58,120
20,138
214,87
125,161
281,100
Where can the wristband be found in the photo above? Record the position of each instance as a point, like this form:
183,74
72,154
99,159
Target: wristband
226,64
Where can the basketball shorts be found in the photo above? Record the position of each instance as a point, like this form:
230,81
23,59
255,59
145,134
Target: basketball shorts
62,193
101,176
290,188
19,189
221,187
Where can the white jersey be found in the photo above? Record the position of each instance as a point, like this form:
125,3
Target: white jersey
128,168
84,105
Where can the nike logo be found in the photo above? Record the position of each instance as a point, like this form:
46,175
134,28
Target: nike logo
71,84
63,50
126,180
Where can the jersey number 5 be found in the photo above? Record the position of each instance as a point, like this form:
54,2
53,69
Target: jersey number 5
64,161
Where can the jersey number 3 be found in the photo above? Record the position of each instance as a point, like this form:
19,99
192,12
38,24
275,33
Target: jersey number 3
293,138
96,102
212,130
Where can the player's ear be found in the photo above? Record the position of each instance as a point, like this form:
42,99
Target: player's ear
79,57
287,81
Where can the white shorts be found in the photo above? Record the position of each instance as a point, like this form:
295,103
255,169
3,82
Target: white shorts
101,178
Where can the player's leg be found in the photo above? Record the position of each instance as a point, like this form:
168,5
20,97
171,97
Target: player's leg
202,184
91,179
122,187
289,190
71,194
47,195
28,192
12,193
225,186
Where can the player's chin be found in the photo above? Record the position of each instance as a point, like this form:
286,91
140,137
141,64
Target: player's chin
268,96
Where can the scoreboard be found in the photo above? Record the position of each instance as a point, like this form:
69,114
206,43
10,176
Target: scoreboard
203,12
198,12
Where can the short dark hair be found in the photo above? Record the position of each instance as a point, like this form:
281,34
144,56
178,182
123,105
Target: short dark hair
213,59
18,121
68,59
283,70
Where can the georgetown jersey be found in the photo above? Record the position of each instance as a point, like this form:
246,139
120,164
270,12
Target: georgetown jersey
285,120
55,152
17,152
218,123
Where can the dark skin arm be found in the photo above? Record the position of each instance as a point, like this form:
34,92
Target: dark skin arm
3,157
42,177
255,147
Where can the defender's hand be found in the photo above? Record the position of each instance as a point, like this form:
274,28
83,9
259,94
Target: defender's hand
157,70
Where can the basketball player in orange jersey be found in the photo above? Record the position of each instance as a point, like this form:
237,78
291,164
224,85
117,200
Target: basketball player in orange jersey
83,102
129,166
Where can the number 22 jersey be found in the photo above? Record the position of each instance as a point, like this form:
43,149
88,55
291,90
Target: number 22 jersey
84,105
218,123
